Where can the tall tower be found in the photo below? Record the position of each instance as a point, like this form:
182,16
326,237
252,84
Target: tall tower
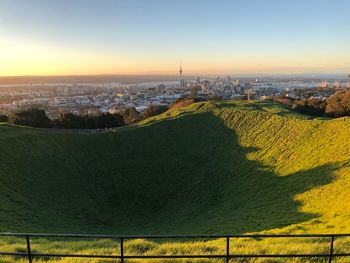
182,81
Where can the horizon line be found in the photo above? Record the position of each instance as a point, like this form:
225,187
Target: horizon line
171,75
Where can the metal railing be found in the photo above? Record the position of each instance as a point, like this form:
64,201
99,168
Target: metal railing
122,257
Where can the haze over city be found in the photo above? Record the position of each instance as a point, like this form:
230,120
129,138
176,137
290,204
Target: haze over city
151,37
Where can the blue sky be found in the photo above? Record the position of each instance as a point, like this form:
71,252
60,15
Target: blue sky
151,37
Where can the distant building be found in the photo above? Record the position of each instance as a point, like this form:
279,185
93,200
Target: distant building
198,81
182,81
323,84
194,90
259,86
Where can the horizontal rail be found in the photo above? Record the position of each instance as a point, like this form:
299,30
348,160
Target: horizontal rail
171,236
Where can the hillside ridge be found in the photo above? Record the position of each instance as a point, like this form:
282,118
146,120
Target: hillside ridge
211,167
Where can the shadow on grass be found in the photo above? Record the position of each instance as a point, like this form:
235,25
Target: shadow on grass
182,175
199,180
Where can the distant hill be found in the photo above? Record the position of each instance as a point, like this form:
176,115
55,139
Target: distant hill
127,79
211,167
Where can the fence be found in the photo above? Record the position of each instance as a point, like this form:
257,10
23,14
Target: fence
122,257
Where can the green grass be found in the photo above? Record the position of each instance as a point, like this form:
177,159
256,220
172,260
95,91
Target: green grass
226,167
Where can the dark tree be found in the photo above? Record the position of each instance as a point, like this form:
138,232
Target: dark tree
70,121
313,107
339,104
130,115
3,118
31,117
101,121
108,120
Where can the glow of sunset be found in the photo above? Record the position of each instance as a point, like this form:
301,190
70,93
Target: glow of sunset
151,37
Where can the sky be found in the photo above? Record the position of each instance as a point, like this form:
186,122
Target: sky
65,37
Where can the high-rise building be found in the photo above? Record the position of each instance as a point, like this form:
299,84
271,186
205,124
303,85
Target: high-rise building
198,80
194,91
290,85
182,81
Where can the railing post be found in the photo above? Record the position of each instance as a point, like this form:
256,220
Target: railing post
227,249
122,250
331,250
29,253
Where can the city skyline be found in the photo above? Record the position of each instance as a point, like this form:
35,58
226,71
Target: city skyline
151,37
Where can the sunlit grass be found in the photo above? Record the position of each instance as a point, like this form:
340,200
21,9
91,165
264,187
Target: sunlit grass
144,247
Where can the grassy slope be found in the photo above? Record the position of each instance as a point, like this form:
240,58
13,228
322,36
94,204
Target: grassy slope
225,167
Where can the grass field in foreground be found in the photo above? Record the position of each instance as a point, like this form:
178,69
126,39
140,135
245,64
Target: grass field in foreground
201,247
226,167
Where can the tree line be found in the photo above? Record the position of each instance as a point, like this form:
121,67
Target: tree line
35,117
334,106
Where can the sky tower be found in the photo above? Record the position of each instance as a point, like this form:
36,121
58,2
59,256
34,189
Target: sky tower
182,81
